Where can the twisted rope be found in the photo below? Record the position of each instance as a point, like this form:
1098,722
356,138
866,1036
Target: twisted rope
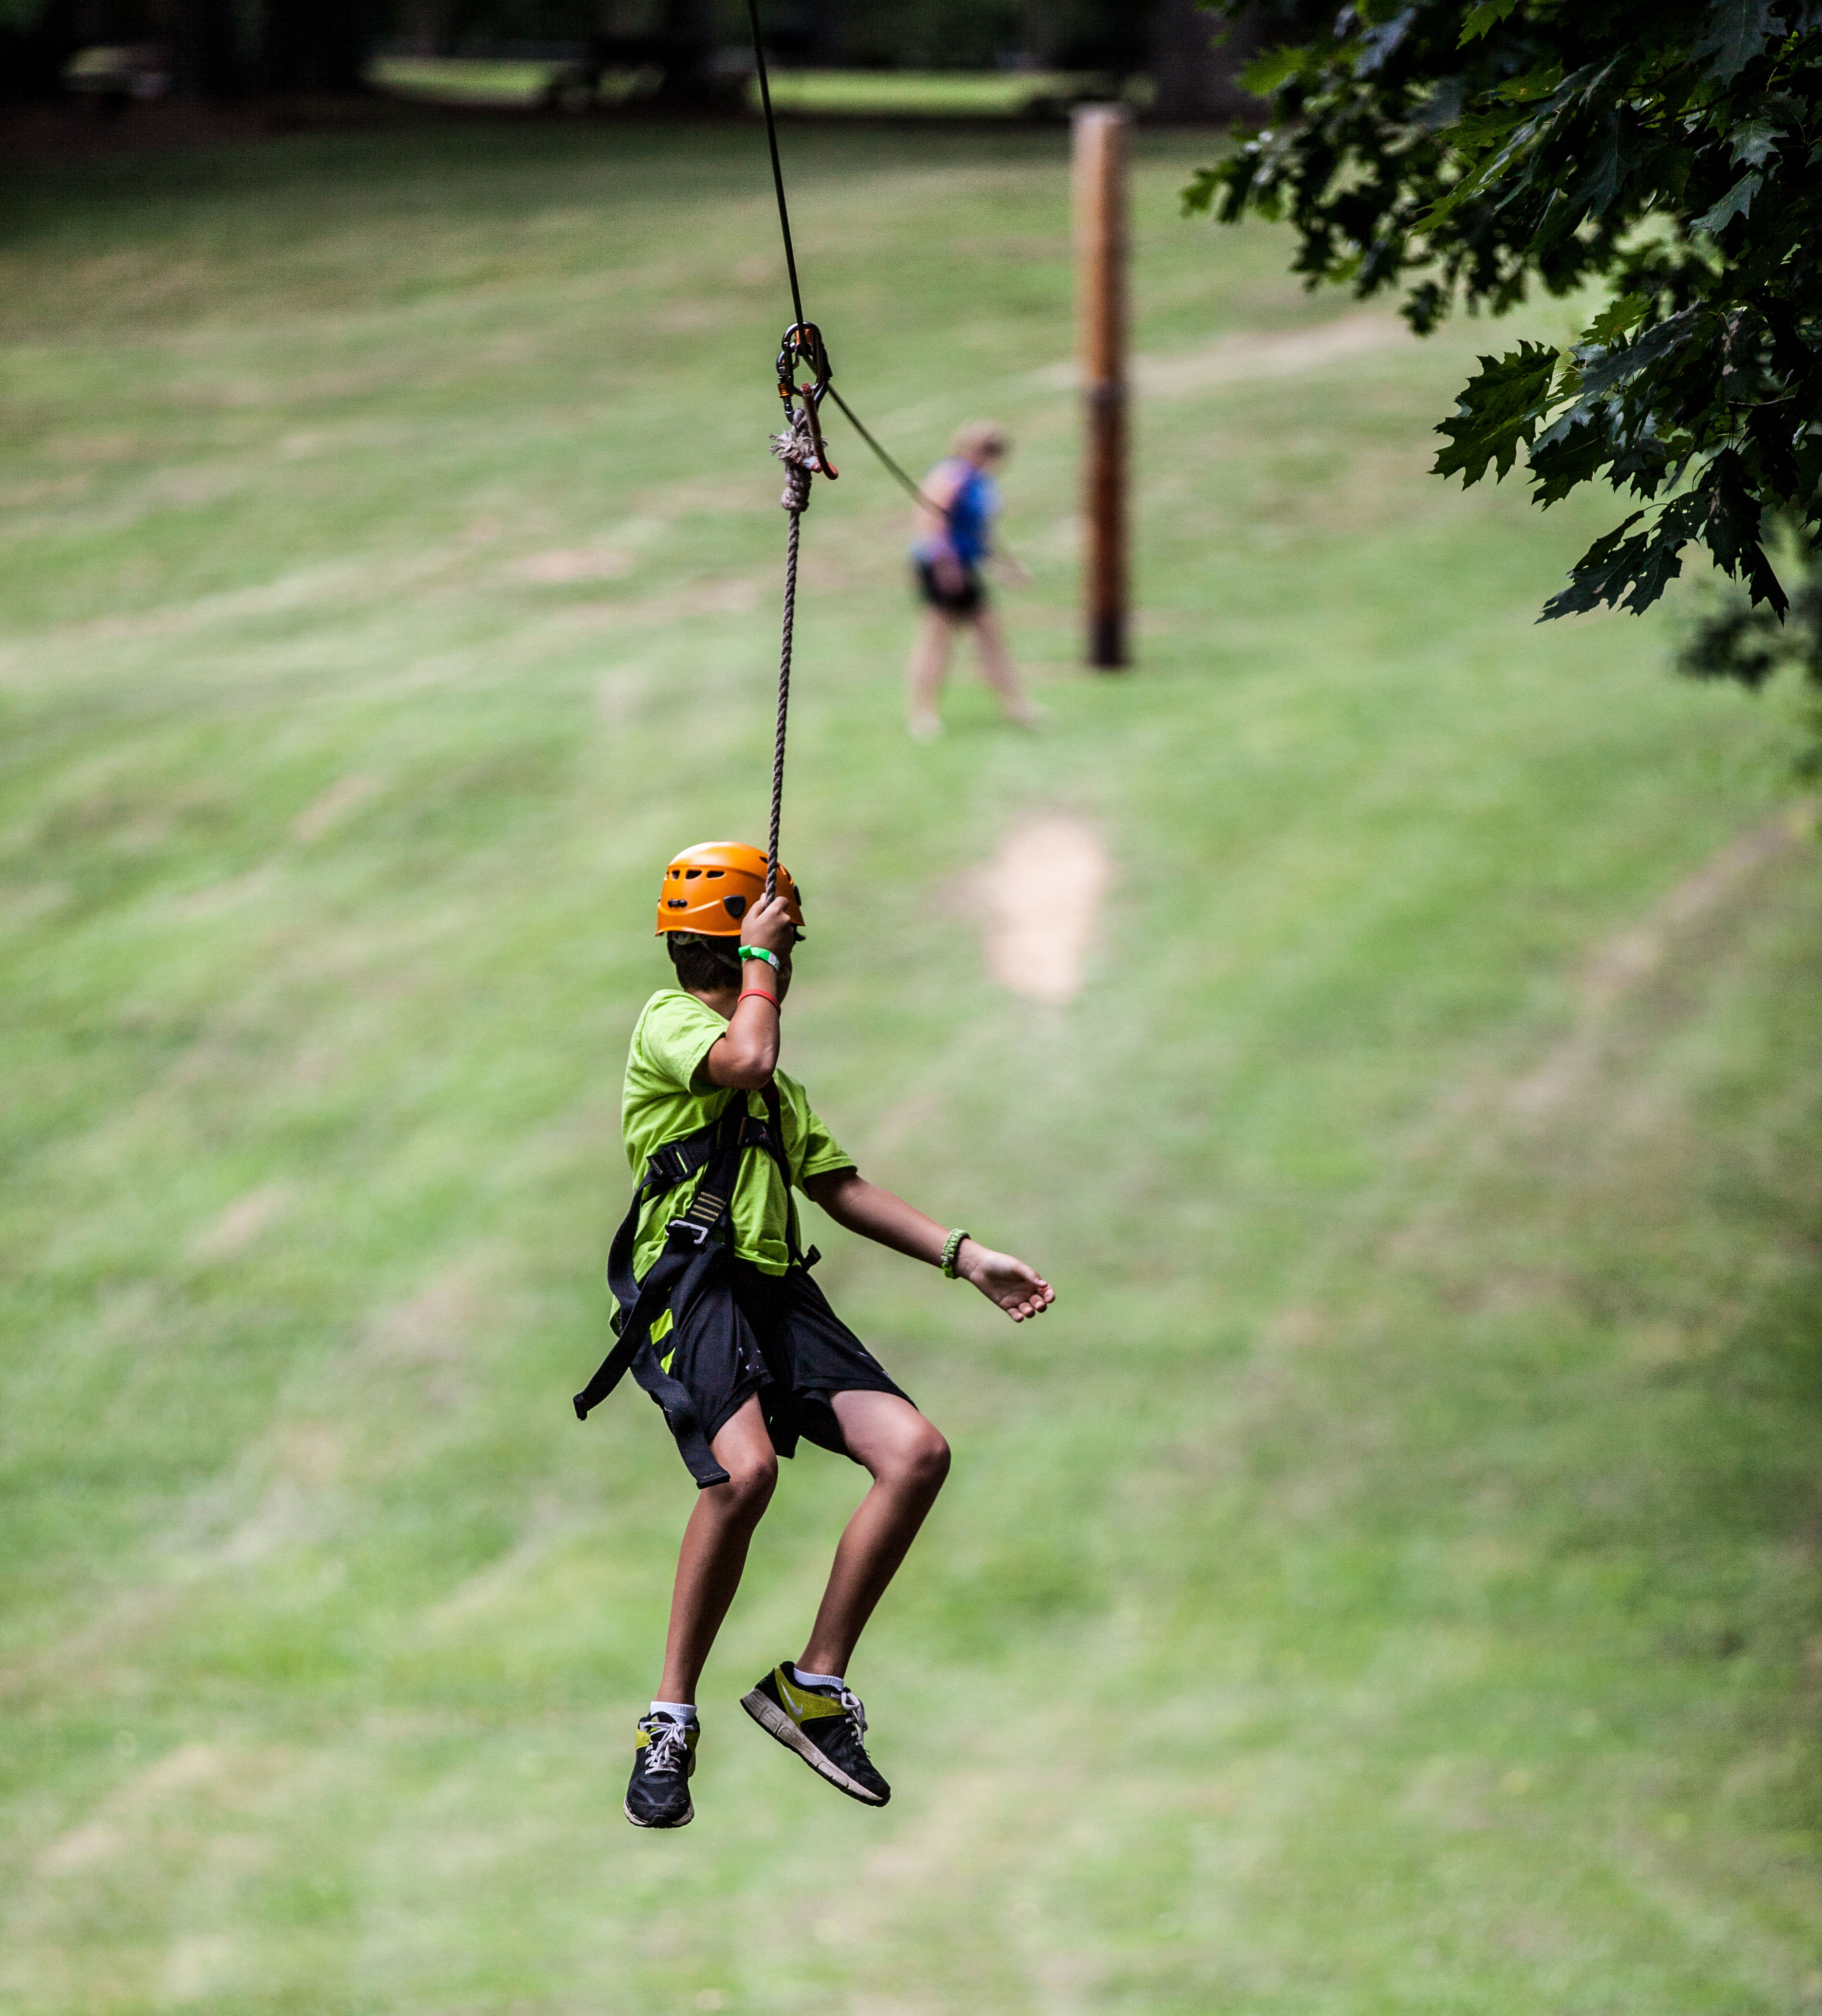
794,448
790,567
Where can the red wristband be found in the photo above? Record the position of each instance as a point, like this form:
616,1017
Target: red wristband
764,993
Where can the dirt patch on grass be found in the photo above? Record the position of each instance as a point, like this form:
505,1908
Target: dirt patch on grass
431,1328
1042,900
330,808
426,1340
573,563
735,596
124,1816
1241,358
1626,962
229,1236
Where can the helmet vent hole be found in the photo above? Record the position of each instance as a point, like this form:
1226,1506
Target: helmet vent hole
715,874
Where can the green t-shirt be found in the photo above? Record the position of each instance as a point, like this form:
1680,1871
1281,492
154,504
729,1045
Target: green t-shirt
667,1097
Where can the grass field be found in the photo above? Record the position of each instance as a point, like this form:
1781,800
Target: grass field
872,94
462,80
1387,1581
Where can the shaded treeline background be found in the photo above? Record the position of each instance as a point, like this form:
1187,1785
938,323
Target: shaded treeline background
223,49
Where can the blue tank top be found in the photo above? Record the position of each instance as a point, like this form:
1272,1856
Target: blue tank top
972,511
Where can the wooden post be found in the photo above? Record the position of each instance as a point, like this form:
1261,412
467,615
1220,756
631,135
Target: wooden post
1099,167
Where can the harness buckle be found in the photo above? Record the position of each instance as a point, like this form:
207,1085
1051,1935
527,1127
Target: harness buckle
690,1229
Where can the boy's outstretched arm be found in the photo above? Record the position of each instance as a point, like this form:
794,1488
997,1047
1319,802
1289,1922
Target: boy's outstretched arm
875,1214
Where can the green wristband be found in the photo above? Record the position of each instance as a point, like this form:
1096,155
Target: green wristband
951,1246
759,951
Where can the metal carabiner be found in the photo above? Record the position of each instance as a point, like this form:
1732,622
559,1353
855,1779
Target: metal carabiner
802,345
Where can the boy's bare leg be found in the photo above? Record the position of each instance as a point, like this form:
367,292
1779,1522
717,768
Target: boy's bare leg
1001,673
909,1460
929,667
714,1552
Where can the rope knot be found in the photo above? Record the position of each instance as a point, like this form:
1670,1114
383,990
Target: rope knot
795,446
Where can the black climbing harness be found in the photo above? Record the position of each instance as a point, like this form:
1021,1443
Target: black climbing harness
691,1261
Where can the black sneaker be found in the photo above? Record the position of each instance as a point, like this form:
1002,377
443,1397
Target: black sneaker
659,1795
823,1725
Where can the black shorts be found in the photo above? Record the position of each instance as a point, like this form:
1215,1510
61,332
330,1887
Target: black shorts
969,599
748,1332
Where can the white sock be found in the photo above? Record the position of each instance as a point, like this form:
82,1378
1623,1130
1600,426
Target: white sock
817,1679
677,1710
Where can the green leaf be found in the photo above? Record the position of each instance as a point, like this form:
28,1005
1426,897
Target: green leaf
1600,573
1488,14
1198,192
1734,515
1535,84
1499,407
1380,42
1756,141
1612,368
1596,192
1630,572
1524,138
1736,203
1470,185
1485,127
1271,70
1571,453
1619,317
1738,31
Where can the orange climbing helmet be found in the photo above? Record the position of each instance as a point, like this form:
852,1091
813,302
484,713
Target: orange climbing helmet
709,888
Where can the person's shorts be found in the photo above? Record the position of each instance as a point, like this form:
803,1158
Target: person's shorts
969,599
748,1332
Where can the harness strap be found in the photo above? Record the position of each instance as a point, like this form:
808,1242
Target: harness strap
715,1148
774,1113
695,1245
671,1166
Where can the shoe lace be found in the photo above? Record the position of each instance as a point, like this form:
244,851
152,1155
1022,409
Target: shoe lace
667,1746
855,1713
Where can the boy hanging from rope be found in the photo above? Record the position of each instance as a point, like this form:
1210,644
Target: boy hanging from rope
719,1320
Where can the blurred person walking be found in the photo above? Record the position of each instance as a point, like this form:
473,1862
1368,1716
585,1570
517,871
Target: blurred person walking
955,539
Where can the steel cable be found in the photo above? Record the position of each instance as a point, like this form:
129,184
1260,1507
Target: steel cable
797,492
